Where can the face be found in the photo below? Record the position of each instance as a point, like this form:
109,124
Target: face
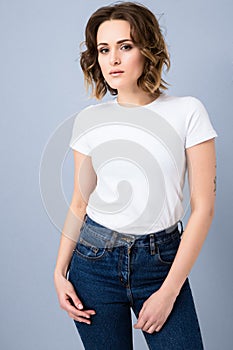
121,62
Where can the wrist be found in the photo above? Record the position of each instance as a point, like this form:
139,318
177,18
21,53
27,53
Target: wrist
170,291
59,273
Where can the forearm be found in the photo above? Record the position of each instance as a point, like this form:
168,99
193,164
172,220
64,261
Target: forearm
191,243
69,238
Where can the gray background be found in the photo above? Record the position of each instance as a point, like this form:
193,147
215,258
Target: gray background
41,86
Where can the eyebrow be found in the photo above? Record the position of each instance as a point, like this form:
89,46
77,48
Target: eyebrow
118,42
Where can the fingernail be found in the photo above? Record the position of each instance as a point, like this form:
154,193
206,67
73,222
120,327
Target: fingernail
80,306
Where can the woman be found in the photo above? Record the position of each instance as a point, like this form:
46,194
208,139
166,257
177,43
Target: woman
120,253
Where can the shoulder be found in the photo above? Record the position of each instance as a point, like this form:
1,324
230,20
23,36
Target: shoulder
187,104
94,108
183,100
91,110
92,115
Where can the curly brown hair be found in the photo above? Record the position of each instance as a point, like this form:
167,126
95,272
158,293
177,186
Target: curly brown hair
145,33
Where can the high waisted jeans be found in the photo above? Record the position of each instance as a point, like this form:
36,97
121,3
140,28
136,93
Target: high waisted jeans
113,272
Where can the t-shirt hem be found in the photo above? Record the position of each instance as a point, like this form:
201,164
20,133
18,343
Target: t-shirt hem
202,139
79,149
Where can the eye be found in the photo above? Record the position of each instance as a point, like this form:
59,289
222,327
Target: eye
103,50
127,47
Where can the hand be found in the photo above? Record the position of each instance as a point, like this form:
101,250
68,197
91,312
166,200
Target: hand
69,300
155,311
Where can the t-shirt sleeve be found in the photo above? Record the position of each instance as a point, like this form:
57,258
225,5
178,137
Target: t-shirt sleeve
199,127
78,140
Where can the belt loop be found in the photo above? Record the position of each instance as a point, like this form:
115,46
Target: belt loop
83,222
152,244
110,243
182,229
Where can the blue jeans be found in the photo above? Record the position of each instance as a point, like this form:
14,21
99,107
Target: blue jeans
113,272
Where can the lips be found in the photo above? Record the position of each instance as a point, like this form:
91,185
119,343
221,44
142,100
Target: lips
116,71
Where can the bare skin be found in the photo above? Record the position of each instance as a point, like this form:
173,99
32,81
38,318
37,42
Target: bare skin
67,297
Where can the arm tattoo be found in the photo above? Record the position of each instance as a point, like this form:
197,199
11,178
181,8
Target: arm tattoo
215,182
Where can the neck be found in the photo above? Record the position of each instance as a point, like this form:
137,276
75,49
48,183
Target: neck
135,98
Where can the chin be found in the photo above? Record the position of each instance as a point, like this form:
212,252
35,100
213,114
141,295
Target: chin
113,86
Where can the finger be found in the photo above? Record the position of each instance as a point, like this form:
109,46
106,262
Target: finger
79,319
151,329
90,312
76,312
75,300
70,307
157,329
147,326
140,317
82,316
140,323
141,311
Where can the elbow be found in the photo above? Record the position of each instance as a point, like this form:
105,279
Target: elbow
204,209
210,213
79,206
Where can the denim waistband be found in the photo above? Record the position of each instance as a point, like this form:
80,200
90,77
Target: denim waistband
98,234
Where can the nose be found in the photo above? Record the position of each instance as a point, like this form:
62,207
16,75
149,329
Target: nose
114,58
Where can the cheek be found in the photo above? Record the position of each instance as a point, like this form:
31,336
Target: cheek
101,63
138,60
139,63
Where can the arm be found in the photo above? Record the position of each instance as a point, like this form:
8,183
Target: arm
67,244
202,180
84,183
201,162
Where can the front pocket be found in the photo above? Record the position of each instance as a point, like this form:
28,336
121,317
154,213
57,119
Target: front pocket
88,250
167,250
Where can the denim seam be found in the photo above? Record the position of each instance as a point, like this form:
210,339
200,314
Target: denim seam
161,260
171,237
77,252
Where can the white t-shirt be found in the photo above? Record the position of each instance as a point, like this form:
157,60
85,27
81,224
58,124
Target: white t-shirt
138,154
